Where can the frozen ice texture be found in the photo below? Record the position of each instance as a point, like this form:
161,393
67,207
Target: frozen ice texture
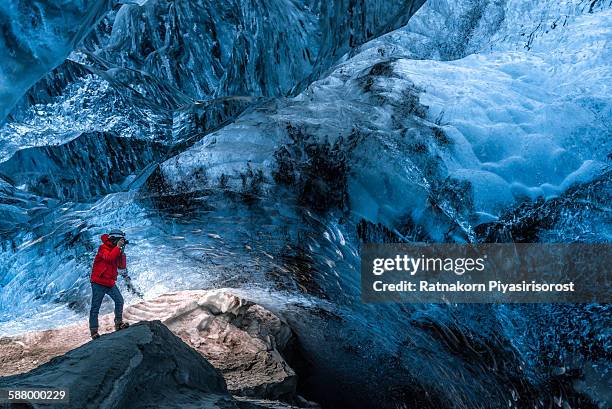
36,37
476,121
474,136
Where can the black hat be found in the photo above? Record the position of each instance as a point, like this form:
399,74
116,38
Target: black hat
116,233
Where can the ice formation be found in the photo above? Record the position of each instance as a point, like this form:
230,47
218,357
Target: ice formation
36,37
263,142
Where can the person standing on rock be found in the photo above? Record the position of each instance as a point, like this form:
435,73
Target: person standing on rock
109,259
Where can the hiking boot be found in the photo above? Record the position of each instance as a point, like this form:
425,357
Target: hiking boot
121,325
95,334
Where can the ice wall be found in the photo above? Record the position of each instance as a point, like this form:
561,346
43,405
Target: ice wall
209,48
477,121
36,37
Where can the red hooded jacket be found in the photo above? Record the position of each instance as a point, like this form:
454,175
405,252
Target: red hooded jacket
106,263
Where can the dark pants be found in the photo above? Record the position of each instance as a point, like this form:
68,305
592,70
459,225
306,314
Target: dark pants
97,295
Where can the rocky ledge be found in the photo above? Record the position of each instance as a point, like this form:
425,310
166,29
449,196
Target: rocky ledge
204,347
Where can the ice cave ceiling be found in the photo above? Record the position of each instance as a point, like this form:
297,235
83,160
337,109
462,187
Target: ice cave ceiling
255,144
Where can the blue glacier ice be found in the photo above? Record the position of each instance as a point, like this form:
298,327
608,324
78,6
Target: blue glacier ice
257,145
36,37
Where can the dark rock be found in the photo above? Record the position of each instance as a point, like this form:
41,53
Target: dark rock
244,341
143,366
